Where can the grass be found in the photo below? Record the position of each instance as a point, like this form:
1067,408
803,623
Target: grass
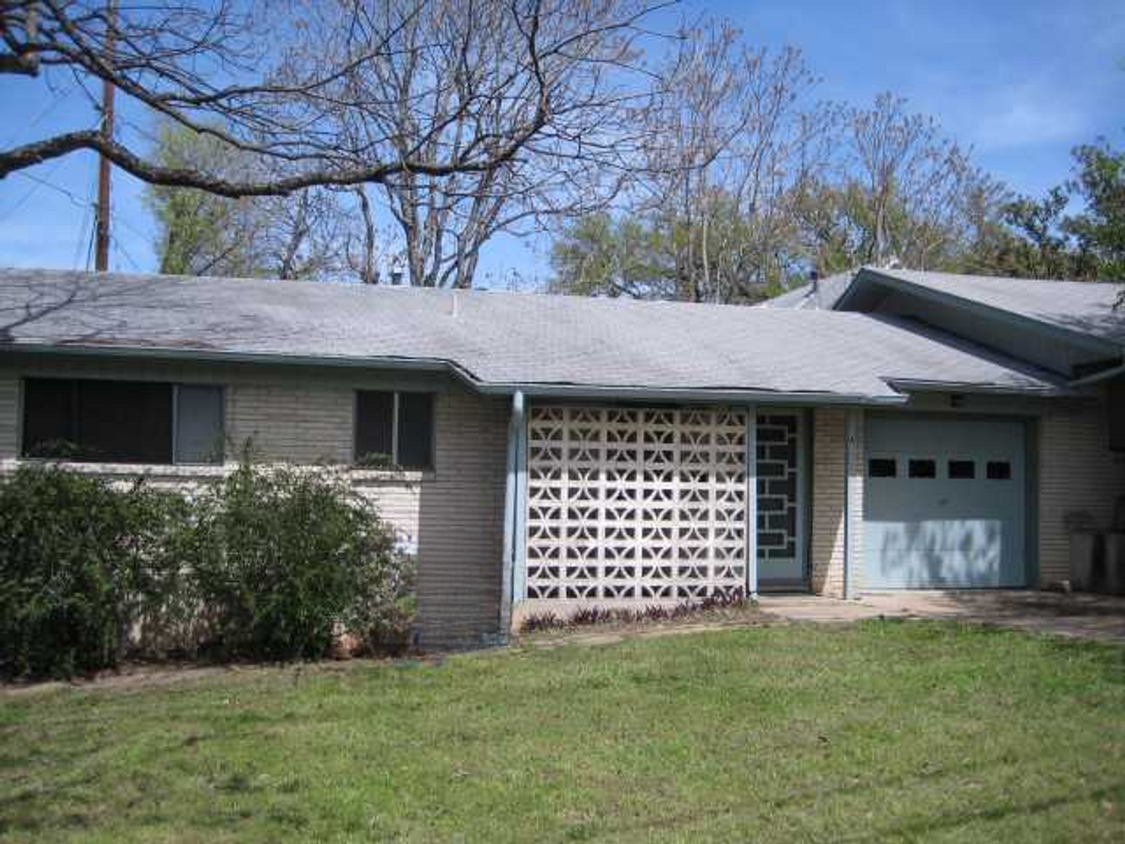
879,731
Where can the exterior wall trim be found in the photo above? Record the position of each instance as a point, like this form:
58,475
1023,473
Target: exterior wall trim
752,502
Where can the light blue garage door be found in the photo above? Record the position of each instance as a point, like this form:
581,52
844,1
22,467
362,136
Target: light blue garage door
944,504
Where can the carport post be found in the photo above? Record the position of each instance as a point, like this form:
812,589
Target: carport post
509,589
752,502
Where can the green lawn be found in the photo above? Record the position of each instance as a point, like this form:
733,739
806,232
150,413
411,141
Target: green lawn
884,730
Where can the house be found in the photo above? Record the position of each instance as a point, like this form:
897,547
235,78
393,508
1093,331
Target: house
924,430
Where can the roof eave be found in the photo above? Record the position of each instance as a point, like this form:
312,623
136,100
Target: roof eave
1044,329
913,385
730,395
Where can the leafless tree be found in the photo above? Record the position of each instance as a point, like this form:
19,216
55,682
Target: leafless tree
344,93
447,79
899,190
737,131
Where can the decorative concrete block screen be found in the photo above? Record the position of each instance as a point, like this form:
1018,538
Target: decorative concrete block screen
635,503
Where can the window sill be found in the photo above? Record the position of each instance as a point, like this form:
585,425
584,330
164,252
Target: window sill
204,470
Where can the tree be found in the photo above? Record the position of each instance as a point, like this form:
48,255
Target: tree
731,135
1099,231
1037,238
897,189
457,78
304,235
278,85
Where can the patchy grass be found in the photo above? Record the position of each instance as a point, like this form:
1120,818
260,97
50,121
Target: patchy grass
883,730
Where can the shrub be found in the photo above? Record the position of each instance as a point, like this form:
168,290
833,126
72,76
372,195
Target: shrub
283,559
74,557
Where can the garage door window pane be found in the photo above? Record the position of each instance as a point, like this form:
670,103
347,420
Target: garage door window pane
999,470
881,468
199,424
962,470
923,469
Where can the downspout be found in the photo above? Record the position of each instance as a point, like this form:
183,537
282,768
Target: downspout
847,504
752,503
851,441
515,426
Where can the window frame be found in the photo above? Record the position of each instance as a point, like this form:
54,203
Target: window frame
174,387
395,410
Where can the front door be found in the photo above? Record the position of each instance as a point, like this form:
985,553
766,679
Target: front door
781,557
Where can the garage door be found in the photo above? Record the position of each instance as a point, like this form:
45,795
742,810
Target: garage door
944,504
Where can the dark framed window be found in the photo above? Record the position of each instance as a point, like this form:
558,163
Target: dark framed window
394,429
881,467
922,468
962,470
93,420
998,470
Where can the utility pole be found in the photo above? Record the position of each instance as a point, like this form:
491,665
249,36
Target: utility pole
101,248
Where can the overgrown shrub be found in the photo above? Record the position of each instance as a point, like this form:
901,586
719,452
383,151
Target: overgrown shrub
284,558
77,557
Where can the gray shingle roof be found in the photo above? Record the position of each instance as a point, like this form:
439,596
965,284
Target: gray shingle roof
497,340
1082,306
827,294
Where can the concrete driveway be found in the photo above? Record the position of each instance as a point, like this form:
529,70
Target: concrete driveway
1081,616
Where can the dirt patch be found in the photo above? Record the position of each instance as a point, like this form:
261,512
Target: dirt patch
139,676
607,633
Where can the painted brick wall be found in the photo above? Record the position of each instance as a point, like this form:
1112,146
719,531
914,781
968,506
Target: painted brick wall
830,486
461,515
296,422
454,514
1079,479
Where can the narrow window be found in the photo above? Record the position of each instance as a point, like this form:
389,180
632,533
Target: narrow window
199,424
394,429
962,470
999,470
879,467
374,428
415,430
923,469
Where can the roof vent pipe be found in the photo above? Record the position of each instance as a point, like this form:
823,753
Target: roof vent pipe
814,281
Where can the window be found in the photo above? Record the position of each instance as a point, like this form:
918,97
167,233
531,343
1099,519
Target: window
199,424
879,467
962,470
394,429
121,421
923,469
999,470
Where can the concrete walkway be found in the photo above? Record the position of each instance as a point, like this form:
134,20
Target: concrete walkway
1082,616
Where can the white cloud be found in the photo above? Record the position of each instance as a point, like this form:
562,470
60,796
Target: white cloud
1025,117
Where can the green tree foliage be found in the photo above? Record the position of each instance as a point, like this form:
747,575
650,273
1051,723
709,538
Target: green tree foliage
304,235
1043,238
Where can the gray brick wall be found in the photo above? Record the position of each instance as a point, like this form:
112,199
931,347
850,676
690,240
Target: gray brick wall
454,514
830,486
1079,477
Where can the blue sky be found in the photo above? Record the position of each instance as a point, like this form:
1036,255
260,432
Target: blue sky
1019,82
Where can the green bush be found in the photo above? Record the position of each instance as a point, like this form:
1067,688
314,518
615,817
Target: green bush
76,564
283,559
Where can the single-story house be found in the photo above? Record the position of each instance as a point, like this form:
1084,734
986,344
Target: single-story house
918,430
